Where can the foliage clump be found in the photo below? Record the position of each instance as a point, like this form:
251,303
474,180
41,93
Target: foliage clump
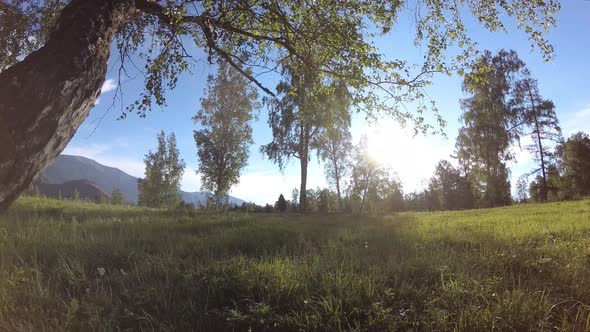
226,133
160,188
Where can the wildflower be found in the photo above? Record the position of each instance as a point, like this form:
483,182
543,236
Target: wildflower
101,271
403,312
366,245
123,272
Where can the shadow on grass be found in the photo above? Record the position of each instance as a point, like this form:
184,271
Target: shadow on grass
274,272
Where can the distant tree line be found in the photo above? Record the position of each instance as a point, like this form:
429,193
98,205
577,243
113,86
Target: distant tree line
116,197
569,176
502,105
362,186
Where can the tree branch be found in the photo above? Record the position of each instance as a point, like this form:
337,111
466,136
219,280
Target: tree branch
207,24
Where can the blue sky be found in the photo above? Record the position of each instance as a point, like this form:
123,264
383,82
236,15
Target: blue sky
565,80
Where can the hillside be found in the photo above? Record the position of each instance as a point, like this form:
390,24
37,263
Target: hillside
86,189
90,267
67,168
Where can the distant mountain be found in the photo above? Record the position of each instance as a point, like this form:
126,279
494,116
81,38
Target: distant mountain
87,190
67,168
196,197
200,197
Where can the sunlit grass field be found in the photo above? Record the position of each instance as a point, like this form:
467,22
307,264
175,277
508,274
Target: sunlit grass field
80,266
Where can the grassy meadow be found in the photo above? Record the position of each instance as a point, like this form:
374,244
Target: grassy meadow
80,266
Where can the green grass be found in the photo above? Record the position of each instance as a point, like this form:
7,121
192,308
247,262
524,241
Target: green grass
519,268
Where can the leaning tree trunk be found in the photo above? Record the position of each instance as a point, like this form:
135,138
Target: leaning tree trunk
544,191
45,97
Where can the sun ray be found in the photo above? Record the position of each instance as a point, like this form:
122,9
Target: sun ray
412,157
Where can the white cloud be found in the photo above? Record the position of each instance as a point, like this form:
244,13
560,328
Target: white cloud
88,150
108,85
579,121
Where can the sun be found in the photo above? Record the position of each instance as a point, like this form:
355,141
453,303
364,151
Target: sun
412,158
386,143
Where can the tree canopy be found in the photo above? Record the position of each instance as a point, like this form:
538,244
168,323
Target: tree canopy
265,35
450,190
539,115
489,120
160,188
225,134
575,164
334,142
330,39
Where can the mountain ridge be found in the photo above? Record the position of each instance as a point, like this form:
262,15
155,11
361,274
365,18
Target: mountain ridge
66,168
86,189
